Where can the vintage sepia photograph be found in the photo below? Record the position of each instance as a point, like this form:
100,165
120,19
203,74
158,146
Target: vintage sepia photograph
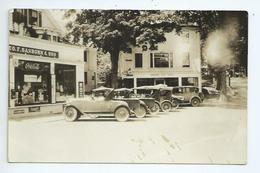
127,86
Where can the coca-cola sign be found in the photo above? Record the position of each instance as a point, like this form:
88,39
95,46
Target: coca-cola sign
32,66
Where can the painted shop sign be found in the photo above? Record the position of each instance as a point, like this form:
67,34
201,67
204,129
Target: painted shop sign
33,51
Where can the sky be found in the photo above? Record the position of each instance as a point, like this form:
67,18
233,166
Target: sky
58,16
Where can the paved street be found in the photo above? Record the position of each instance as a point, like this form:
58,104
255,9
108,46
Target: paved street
187,135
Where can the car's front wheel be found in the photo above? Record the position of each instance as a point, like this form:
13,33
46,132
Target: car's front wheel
122,114
166,106
140,112
71,114
195,102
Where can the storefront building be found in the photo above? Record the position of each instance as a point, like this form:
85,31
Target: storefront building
176,62
44,73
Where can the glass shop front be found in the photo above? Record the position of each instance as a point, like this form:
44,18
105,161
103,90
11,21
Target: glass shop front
32,83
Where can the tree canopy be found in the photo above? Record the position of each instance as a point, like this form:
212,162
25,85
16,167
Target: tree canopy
114,31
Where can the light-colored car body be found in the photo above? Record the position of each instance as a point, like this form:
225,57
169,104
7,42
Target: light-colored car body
94,106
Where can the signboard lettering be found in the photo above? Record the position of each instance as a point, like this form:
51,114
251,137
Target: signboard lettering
33,51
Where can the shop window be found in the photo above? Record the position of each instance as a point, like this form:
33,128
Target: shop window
171,81
128,83
138,60
186,60
145,81
159,81
32,83
65,82
190,81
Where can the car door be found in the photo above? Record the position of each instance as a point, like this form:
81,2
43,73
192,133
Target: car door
97,105
187,94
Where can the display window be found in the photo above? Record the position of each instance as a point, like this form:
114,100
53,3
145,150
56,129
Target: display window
32,83
65,82
190,81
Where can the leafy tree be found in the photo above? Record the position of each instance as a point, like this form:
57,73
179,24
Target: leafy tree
210,21
114,31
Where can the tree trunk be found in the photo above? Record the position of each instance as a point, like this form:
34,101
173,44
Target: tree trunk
222,83
114,55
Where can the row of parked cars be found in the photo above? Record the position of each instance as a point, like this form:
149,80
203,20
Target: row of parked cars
136,102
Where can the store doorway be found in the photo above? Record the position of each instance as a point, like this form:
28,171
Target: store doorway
65,82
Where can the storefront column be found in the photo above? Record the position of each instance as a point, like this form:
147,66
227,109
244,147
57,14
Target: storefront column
135,84
180,81
11,81
53,83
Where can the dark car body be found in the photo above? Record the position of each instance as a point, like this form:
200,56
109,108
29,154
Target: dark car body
148,103
136,105
190,94
162,94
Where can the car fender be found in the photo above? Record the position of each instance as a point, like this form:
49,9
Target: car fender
129,111
195,97
70,105
158,104
166,101
145,106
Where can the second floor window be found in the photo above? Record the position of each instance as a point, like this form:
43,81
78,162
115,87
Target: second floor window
186,60
161,60
85,56
138,60
35,18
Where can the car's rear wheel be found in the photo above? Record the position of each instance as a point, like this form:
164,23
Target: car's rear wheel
195,102
140,112
122,114
166,106
155,108
71,114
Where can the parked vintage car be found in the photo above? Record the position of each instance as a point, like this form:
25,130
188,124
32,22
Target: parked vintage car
210,92
191,95
166,94
164,99
95,105
136,105
148,103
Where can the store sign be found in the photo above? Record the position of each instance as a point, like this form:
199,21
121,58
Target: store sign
35,109
32,78
33,51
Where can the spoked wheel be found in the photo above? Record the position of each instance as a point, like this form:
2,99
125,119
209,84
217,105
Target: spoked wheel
122,114
140,112
195,102
71,114
155,108
166,106
175,104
